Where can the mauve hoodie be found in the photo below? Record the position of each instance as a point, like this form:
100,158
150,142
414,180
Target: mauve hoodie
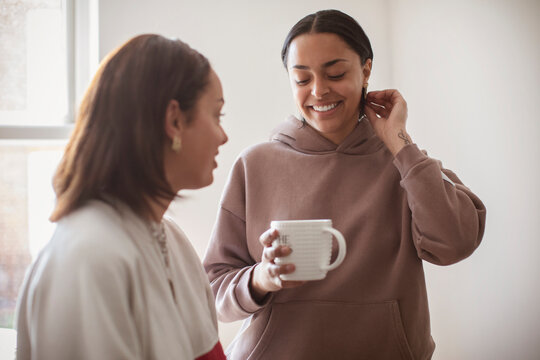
393,212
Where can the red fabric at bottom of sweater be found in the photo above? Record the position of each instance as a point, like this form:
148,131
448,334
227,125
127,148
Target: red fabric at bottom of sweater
215,354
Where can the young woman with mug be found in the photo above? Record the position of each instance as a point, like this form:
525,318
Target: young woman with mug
348,158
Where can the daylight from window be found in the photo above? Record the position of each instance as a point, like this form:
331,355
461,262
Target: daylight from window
33,76
33,92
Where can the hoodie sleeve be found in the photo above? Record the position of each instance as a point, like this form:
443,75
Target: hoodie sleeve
448,220
227,262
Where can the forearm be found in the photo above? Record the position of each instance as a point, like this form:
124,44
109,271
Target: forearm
397,139
230,269
447,218
234,300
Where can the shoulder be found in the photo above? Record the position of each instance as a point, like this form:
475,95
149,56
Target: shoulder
172,229
93,235
182,249
260,151
252,166
258,158
89,251
179,238
101,217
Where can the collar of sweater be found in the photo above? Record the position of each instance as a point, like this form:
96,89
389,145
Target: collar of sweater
302,137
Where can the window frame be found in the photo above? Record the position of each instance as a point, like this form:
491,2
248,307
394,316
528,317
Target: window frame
81,21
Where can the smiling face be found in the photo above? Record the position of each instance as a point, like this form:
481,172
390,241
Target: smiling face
327,78
192,166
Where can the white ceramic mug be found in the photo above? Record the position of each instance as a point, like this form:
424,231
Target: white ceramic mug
311,244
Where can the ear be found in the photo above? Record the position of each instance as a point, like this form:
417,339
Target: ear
175,120
366,69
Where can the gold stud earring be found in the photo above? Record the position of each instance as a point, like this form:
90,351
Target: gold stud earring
365,91
176,144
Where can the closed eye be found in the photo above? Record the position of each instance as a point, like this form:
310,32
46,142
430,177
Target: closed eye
336,77
301,82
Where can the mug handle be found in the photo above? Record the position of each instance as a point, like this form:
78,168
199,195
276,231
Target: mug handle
342,248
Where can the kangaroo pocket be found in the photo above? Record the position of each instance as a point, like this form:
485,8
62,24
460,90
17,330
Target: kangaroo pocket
333,330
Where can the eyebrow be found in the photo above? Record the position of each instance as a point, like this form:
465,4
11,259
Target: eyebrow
325,65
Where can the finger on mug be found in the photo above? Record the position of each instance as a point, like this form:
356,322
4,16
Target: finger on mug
275,270
272,252
286,268
282,251
268,237
268,254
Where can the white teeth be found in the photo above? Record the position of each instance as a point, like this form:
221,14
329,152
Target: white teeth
325,107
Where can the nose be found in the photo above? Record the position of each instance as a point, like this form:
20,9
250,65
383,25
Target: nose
319,87
224,137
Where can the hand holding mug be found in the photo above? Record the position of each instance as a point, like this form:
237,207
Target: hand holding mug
266,276
311,243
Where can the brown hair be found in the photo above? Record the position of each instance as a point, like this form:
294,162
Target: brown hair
116,149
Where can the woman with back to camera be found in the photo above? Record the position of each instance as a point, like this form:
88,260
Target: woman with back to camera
350,159
118,280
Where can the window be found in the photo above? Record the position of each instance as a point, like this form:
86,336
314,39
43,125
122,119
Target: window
47,53
33,63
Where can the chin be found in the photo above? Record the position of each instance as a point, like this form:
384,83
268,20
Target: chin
207,180
199,183
322,125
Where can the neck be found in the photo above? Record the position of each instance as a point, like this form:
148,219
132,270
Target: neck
338,136
158,208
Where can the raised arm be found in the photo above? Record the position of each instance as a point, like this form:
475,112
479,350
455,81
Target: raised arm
448,220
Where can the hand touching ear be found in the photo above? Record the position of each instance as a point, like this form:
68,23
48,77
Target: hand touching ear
387,113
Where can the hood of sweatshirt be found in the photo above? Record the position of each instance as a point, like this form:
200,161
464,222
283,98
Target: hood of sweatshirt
302,137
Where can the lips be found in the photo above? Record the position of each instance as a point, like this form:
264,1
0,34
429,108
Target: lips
325,108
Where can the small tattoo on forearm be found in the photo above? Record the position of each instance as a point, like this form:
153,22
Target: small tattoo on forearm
404,137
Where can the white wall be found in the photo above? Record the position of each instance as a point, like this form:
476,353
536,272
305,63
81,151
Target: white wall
469,71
